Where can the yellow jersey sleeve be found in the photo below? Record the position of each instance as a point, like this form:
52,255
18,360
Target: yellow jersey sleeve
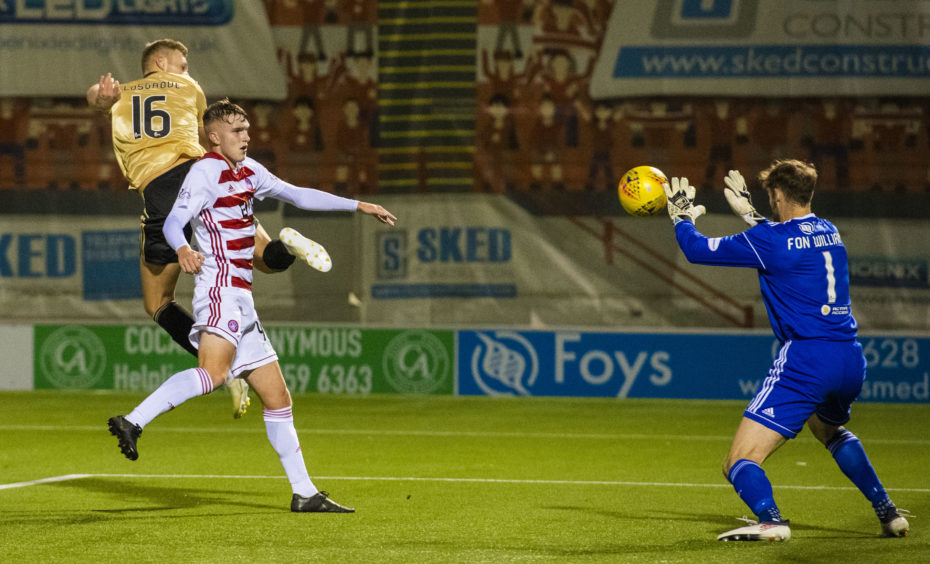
156,125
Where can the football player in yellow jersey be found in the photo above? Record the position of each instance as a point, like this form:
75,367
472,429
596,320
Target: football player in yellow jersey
157,124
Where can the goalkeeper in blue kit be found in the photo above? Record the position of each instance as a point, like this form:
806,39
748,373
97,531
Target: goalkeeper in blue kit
820,368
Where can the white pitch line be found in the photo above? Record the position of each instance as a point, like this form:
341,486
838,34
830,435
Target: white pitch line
63,478
431,433
67,477
388,432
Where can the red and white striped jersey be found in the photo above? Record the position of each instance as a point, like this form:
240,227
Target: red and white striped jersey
217,201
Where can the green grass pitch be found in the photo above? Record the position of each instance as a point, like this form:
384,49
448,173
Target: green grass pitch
437,480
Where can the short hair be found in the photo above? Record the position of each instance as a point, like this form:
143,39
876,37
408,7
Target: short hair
153,48
796,180
221,110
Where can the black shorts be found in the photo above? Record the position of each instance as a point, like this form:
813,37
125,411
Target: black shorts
158,199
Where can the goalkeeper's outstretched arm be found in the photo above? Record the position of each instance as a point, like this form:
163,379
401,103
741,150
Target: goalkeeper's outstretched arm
740,201
680,201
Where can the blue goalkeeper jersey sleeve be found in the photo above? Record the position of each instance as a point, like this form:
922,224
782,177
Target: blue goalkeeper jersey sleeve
803,273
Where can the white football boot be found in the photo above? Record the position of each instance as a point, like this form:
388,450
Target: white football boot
766,531
895,525
306,249
239,390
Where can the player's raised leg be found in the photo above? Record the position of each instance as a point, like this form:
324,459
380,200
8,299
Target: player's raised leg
268,383
216,355
306,249
271,255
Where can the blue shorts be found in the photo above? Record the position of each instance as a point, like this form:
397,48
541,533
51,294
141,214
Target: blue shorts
809,376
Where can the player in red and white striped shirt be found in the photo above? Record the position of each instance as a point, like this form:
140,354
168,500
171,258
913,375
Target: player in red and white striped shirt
216,198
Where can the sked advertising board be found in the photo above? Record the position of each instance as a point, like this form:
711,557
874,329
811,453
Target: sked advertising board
59,47
621,365
769,48
328,360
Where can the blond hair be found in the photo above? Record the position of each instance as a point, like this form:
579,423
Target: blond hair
153,49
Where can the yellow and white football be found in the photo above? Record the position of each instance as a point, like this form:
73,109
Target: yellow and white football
641,192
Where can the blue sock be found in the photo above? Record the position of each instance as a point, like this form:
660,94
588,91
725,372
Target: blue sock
754,488
852,460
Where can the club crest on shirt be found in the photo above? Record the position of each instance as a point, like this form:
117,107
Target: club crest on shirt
249,184
233,326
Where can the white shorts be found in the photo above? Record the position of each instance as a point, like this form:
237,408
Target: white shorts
230,313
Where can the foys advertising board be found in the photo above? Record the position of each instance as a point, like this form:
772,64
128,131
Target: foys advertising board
684,366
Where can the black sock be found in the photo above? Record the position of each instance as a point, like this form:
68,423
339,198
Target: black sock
276,256
177,322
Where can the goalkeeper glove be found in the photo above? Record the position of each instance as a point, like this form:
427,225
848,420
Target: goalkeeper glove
680,198
739,199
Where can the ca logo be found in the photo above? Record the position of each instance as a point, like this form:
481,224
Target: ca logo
416,362
72,358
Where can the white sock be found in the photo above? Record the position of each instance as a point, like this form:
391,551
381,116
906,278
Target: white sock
173,392
279,423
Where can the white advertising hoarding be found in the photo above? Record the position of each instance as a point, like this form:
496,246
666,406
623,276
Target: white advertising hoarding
463,260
